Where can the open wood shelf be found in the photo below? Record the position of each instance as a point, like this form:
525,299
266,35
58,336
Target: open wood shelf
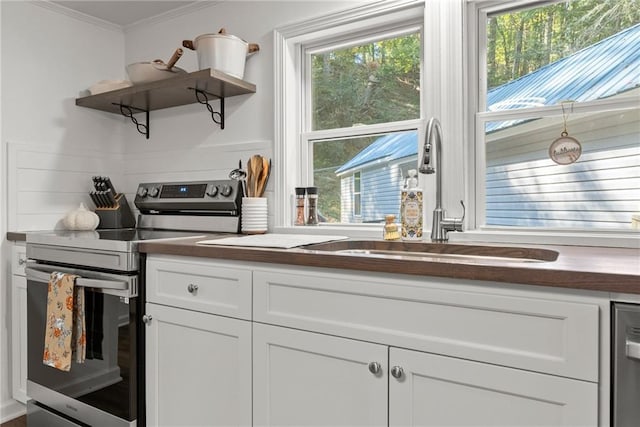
167,93
199,86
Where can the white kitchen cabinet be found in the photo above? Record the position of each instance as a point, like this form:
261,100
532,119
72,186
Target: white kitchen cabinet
312,346
304,379
433,390
307,379
19,323
468,356
198,369
198,343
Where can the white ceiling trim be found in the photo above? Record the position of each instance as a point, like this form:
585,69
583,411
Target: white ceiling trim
182,10
54,7
189,8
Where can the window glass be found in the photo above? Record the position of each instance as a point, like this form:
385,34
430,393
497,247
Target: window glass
577,50
368,170
367,83
578,63
525,188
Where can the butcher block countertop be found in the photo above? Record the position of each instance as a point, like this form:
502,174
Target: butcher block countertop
576,267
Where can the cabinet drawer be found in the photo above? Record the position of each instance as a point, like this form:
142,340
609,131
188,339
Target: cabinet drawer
437,316
199,285
18,259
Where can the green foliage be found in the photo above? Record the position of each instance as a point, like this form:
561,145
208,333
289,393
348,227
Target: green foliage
372,83
523,41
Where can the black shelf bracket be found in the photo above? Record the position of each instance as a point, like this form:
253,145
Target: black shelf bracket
201,97
129,111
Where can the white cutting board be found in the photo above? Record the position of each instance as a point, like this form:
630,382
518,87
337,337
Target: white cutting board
272,240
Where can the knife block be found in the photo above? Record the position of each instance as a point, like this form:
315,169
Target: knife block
120,216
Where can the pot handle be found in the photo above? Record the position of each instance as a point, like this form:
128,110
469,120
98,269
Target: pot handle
253,48
188,44
174,58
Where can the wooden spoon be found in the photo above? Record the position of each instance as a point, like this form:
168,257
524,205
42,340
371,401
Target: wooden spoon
262,181
256,166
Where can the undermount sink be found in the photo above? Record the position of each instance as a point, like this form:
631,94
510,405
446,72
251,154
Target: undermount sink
435,251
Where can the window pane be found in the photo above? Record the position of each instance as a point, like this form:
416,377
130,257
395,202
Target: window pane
380,161
525,188
578,50
371,83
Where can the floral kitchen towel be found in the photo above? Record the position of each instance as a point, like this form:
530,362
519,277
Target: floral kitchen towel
61,319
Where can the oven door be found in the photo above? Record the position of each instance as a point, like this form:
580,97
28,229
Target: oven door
103,389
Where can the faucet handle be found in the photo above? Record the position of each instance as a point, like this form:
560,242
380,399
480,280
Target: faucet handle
458,222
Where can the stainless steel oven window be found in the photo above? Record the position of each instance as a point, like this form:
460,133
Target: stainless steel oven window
106,381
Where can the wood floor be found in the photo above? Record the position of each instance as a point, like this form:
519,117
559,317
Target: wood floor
16,422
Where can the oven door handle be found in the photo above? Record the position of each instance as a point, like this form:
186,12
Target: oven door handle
43,276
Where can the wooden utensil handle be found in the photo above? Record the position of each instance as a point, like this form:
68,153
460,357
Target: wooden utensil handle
188,44
174,58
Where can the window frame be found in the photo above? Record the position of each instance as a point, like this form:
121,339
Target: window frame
293,119
476,14
357,194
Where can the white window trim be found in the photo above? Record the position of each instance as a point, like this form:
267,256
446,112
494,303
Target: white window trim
476,12
444,84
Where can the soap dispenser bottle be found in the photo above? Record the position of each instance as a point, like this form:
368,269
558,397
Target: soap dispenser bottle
411,208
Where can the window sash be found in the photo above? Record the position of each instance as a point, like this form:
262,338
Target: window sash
479,10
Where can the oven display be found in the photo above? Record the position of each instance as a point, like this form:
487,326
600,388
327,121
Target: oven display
183,191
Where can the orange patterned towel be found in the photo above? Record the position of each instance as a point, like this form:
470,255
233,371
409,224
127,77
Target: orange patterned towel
65,322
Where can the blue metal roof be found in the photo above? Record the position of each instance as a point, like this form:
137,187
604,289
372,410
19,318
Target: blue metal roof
606,68
389,147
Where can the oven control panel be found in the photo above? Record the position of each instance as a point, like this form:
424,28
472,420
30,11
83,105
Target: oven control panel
216,196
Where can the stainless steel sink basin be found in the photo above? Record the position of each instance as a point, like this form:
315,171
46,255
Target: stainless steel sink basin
435,251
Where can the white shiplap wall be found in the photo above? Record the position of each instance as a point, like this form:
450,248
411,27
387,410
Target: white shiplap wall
43,183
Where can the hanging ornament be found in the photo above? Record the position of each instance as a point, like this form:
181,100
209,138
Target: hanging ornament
566,149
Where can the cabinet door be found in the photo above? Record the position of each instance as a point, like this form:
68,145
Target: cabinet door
198,369
19,337
303,379
444,391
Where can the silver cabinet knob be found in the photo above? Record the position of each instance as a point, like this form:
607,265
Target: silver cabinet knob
192,288
22,261
147,318
374,368
397,372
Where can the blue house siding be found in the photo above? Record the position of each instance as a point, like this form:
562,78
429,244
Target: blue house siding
601,190
380,193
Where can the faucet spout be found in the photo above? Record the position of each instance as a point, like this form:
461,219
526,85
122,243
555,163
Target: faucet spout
441,224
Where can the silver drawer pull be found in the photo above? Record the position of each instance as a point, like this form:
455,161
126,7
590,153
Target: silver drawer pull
22,261
374,368
147,318
397,372
192,289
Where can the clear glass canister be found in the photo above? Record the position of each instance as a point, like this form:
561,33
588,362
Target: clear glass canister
299,214
312,205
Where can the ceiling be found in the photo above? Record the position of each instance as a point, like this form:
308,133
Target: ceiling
123,12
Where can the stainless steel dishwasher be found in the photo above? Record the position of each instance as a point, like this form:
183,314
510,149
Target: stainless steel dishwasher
625,369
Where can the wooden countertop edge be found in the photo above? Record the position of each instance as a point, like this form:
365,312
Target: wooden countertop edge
16,236
540,274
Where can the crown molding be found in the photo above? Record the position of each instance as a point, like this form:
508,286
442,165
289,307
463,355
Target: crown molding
182,10
189,8
57,8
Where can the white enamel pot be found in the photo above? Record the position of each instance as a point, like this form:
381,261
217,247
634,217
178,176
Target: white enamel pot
222,52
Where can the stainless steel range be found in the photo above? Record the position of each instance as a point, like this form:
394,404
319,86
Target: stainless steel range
108,388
